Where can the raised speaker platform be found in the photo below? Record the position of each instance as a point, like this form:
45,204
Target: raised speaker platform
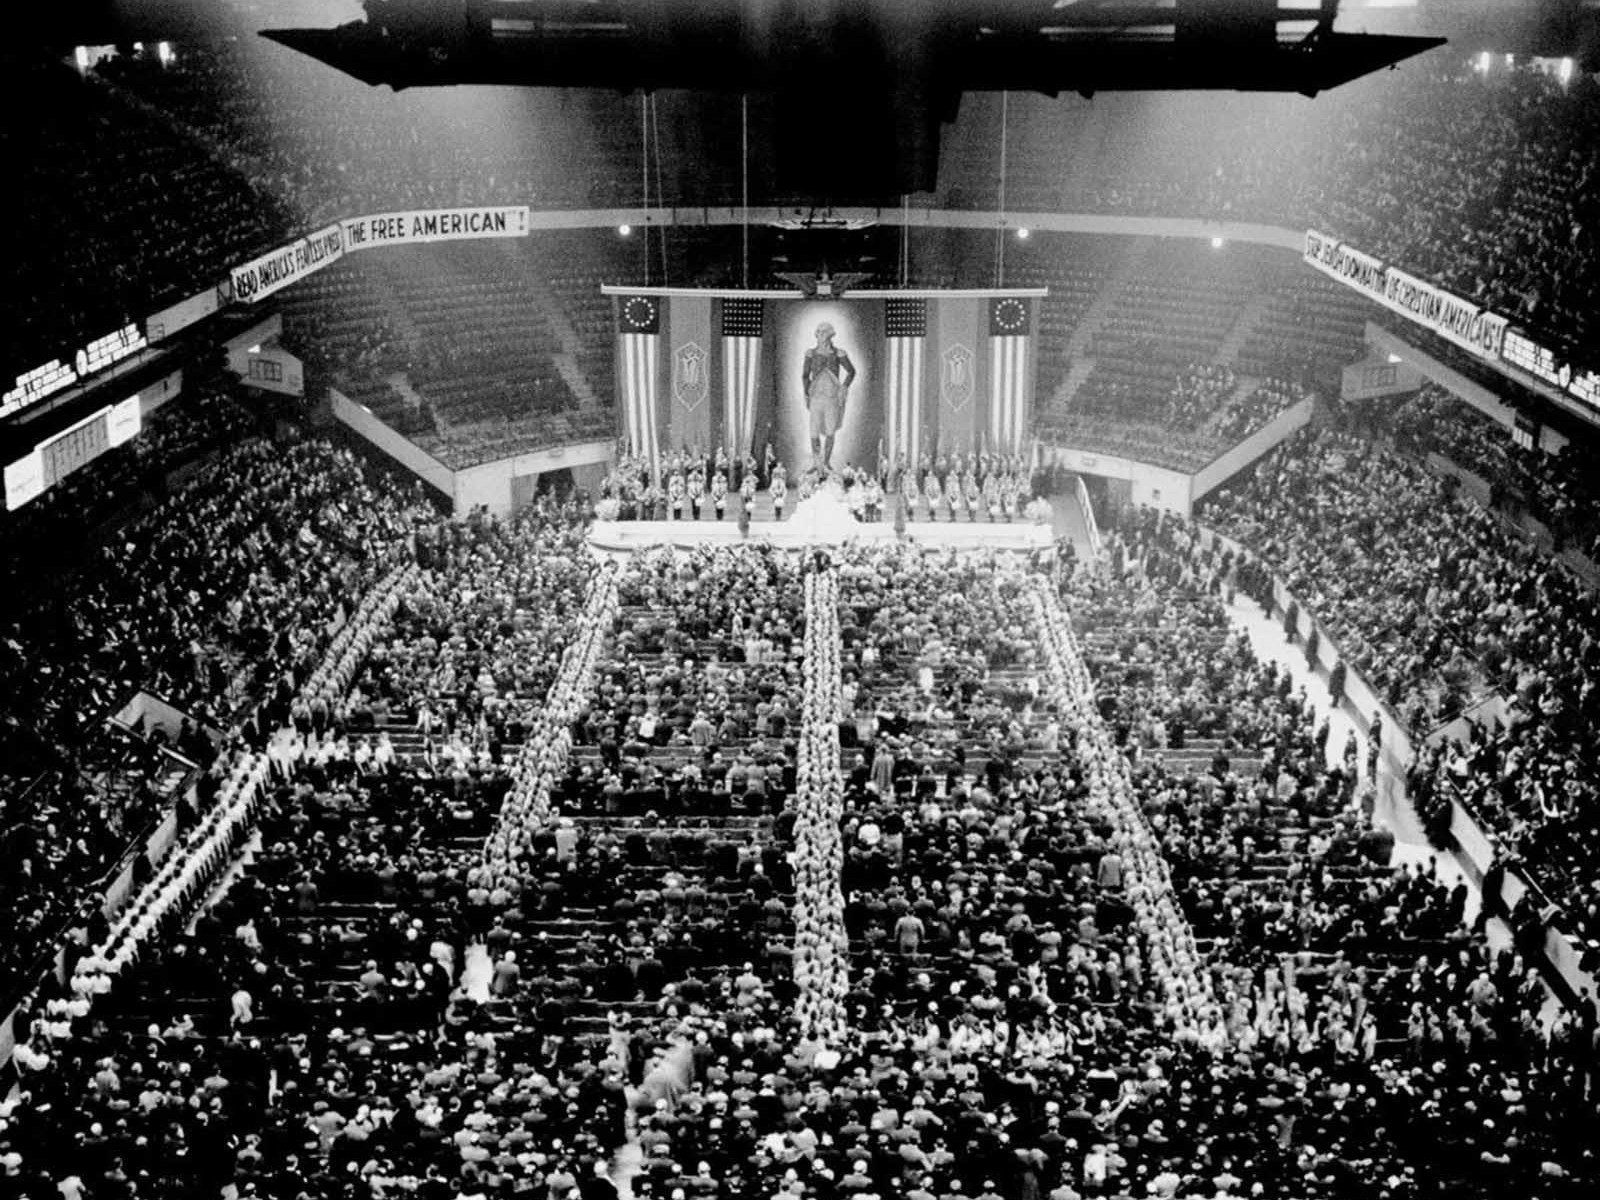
822,520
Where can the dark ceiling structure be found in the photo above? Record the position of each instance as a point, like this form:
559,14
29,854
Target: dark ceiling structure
864,85
933,46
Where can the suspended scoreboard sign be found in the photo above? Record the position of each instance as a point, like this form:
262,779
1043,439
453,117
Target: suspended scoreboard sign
277,269
435,225
1544,364
36,385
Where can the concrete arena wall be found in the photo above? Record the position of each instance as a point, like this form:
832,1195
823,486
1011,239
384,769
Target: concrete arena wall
493,485
408,454
1227,465
1153,487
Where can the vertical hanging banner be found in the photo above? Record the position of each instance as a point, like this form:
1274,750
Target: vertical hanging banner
743,325
960,373
1010,372
689,363
638,366
905,327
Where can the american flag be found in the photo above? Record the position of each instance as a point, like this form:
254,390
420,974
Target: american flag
905,327
639,325
742,319
1009,321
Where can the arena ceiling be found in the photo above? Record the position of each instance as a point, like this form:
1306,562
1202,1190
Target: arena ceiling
869,83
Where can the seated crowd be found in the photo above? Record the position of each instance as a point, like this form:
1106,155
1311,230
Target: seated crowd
124,214
1480,187
1440,606
1134,407
378,1005
1364,985
318,1031
1257,409
210,599
846,875
1559,488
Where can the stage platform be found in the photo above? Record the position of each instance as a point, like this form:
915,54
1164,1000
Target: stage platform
820,521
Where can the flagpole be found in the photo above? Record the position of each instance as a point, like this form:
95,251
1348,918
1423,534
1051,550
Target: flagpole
744,173
644,172
905,240
1000,227
661,194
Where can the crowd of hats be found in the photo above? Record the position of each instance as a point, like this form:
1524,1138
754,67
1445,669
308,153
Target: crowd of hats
208,848
208,599
1439,605
1373,1007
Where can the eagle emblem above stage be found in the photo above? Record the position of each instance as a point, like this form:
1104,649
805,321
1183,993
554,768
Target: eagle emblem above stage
690,375
956,381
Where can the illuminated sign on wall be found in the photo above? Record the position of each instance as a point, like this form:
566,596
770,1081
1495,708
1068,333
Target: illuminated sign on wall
55,375
113,348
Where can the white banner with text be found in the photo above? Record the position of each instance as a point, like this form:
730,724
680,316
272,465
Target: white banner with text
435,225
1460,321
276,270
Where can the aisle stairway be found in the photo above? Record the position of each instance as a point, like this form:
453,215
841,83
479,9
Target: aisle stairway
1077,375
1083,336
569,359
1244,325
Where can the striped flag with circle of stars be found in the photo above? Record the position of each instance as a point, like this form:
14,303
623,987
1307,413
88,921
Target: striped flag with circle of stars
1010,372
638,367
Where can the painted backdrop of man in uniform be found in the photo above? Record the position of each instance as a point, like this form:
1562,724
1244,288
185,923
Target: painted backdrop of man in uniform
825,379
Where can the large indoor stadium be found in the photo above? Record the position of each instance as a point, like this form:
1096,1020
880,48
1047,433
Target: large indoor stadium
801,600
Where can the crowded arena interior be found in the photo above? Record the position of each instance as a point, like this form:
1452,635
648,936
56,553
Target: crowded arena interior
609,641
